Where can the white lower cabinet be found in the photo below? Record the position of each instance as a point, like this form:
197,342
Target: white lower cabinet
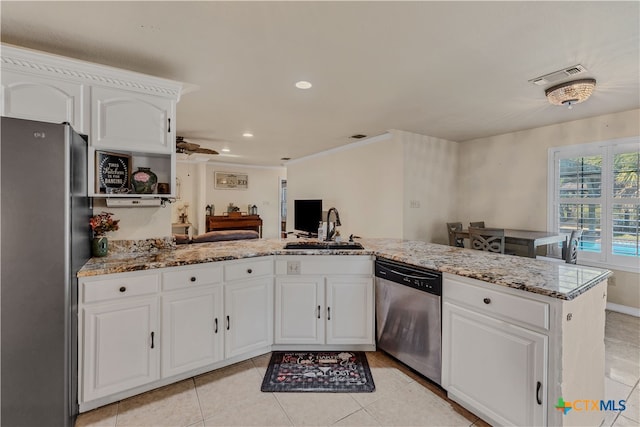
192,312
299,308
119,334
315,309
192,329
350,315
496,367
141,330
509,355
248,308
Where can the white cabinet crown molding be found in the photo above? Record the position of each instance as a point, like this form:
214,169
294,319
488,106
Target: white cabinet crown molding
42,63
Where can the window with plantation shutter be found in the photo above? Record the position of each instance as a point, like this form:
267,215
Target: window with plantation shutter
625,203
596,188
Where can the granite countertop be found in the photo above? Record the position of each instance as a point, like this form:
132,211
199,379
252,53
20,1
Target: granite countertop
554,279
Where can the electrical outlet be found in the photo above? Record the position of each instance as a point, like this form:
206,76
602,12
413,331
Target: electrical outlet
293,267
414,203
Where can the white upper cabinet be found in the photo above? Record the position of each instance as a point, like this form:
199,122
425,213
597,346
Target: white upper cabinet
125,114
130,121
31,97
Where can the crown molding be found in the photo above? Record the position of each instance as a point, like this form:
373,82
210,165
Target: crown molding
55,66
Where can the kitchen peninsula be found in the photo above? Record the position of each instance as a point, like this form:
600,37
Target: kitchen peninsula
543,309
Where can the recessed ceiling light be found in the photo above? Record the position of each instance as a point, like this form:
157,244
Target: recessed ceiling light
247,134
225,150
303,84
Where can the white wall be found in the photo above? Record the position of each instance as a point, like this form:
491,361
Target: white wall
364,182
503,179
187,194
430,185
373,184
137,223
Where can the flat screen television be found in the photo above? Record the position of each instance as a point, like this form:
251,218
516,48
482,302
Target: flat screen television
307,214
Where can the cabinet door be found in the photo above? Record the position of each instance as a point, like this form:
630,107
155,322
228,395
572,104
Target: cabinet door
38,98
299,310
130,121
121,346
496,368
248,307
349,311
192,330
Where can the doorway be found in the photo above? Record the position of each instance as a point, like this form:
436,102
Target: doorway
283,208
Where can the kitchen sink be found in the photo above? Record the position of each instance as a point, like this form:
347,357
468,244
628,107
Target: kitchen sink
323,245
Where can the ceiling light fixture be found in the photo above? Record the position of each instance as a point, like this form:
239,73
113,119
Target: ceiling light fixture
303,85
247,134
570,93
225,150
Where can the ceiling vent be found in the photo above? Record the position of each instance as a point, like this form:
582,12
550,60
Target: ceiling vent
556,76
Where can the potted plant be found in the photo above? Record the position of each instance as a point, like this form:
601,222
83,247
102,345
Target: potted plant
101,224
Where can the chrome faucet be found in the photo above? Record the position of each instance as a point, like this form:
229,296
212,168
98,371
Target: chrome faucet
329,231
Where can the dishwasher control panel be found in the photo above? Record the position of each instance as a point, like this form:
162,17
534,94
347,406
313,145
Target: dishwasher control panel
415,277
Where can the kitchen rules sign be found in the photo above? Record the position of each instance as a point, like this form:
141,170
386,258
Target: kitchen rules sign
112,173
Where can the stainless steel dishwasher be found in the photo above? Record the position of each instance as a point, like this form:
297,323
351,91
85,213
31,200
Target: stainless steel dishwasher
408,316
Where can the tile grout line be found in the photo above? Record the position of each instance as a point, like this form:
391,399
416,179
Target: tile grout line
117,413
286,414
198,397
273,394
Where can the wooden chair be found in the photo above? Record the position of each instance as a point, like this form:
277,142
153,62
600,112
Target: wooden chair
570,249
452,227
478,224
487,239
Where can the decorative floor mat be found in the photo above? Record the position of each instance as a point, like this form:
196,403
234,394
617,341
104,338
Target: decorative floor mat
318,371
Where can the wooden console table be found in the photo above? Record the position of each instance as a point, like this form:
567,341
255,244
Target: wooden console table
234,222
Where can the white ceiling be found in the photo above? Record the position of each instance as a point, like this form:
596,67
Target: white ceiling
453,70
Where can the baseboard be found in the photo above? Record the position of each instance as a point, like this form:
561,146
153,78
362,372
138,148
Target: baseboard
632,311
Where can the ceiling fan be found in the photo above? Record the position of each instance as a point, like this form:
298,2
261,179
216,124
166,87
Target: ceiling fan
185,146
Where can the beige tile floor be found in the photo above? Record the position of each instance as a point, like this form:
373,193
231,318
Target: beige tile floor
231,396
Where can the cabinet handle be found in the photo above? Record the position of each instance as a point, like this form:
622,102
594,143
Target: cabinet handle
169,130
193,279
487,300
328,313
152,335
318,312
123,288
249,270
228,323
538,387
215,322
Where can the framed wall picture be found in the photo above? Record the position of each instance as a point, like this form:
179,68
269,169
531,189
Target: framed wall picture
113,173
231,180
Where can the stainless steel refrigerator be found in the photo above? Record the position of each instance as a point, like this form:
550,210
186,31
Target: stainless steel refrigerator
45,239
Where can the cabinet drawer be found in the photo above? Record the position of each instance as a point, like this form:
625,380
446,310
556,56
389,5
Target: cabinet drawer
496,303
247,269
186,277
118,288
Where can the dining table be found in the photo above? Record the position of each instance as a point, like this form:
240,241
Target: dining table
528,238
